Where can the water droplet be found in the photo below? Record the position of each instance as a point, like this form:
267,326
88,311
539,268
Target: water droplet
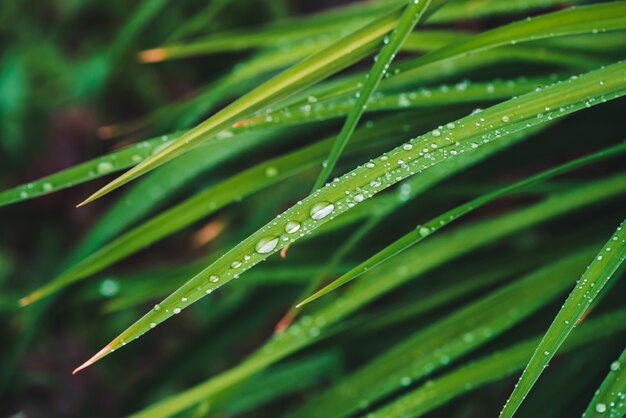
46,187
436,132
359,198
214,278
271,171
600,407
177,310
235,264
424,231
321,210
615,366
292,227
104,167
152,324
266,245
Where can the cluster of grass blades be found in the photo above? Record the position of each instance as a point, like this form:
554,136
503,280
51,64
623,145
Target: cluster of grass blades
463,181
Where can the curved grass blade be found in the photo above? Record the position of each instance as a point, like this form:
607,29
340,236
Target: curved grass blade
609,400
410,16
415,262
89,170
365,181
438,391
335,57
450,337
422,231
589,286
576,20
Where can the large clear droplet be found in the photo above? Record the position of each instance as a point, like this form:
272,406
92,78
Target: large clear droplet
266,245
321,210
292,227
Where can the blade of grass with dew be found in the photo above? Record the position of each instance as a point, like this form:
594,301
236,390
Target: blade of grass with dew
448,338
422,231
89,170
476,9
365,181
595,18
493,367
392,43
207,202
415,262
609,401
333,58
587,289
445,94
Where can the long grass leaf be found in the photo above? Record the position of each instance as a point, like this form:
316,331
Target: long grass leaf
589,286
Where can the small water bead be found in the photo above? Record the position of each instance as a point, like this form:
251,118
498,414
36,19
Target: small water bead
292,227
359,198
177,311
436,133
615,366
600,407
104,167
266,245
424,231
369,165
157,307
271,172
407,147
152,324
46,187
406,381
183,299
321,210
235,264
505,118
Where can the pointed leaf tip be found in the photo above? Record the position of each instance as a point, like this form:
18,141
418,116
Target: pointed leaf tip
93,359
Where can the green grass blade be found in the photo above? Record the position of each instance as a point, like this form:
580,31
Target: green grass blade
330,60
491,368
89,170
576,20
422,231
365,181
589,286
410,16
610,399
416,262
